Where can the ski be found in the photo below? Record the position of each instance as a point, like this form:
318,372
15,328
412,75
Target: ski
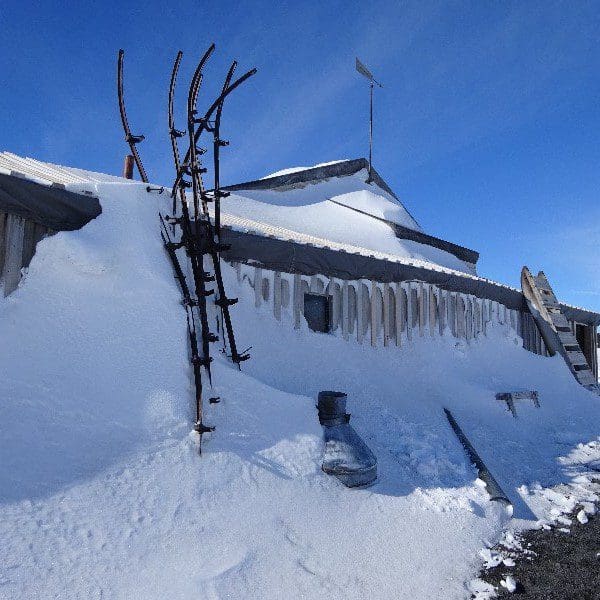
204,121
131,139
192,163
174,133
198,235
207,236
194,244
218,143
189,303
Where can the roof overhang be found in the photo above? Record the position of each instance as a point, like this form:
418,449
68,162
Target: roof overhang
288,256
53,207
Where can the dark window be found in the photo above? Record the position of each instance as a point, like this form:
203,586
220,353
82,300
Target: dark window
580,335
317,312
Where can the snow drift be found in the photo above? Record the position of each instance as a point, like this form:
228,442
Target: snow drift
103,495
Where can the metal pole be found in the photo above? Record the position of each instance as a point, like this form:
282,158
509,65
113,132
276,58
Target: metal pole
371,137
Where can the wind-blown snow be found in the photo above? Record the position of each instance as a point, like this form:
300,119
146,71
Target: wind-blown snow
103,495
291,170
325,209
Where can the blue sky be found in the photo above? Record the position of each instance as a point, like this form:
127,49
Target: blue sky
487,127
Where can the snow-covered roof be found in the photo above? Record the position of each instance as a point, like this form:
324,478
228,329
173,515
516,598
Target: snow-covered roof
51,174
333,201
343,180
291,170
271,220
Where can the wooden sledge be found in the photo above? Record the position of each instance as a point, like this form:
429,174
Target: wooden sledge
554,327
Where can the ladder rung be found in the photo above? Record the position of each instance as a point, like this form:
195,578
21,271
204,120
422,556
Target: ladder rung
572,347
577,358
567,339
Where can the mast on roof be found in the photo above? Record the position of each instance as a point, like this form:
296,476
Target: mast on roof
360,67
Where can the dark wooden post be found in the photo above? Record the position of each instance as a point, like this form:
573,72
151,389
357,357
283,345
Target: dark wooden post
128,167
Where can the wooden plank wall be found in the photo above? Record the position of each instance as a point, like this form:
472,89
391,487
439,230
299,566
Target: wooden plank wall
590,344
532,339
386,314
18,240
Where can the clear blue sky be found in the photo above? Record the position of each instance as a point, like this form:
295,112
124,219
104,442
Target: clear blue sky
487,127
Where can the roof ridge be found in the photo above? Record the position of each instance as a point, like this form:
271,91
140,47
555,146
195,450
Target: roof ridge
335,169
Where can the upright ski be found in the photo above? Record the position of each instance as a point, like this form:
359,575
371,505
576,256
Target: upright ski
131,139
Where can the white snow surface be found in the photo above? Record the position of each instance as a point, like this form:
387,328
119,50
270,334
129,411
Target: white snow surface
102,491
324,209
291,170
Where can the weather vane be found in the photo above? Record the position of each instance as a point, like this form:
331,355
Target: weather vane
366,73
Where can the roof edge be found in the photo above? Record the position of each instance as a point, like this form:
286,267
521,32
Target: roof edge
338,169
406,233
53,207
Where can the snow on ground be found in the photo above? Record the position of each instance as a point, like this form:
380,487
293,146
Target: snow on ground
103,495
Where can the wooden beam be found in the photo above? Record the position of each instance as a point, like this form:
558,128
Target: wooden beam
277,295
400,313
375,312
257,286
423,308
28,243
297,300
345,310
387,314
363,293
409,309
13,259
2,241
433,309
442,311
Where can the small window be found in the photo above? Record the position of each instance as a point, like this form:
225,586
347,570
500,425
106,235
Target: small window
317,312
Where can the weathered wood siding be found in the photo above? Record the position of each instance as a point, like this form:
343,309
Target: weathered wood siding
18,240
387,314
588,343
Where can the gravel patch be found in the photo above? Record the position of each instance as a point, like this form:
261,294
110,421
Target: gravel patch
554,565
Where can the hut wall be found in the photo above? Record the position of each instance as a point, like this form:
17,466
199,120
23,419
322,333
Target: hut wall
587,337
18,240
386,314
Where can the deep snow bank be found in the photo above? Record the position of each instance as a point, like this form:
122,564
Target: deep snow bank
93,350
102,494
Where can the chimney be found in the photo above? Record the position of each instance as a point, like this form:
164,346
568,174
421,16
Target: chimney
128,167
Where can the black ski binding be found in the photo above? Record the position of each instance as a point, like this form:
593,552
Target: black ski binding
201,428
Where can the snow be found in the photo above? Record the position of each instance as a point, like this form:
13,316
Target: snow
509,583
582,517
291,170
328,209
102,491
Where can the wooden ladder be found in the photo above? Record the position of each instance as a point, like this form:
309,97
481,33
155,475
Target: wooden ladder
571,351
